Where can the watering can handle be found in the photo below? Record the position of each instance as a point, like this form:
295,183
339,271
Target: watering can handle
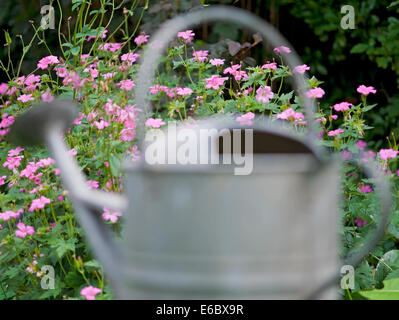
45,123
168,31
383,190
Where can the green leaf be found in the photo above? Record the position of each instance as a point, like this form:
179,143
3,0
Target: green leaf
61,246
393,4
8,38
75,50
388,263
389,292
383,61
368,108
74,279
359,48
92,264
286,96
114,165
11,272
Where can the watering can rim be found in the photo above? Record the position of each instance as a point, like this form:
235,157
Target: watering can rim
266,125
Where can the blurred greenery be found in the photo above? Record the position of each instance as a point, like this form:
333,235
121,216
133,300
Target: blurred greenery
342,59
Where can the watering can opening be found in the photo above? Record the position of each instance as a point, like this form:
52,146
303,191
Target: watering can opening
269,143
220,144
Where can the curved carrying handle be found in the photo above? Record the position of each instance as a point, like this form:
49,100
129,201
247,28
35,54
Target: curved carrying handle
45,123
168,31
383,190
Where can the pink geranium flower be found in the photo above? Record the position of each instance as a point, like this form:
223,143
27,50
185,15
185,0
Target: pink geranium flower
365,90
130,58
217,62
346,155
361,145
315,93
25,98
264,94
93,184
154,123
29,170
61,72
110,215
38,204
47,96
7,121
270,66
46,61
32,82
109,75
12,162
184,91
112,47
127,134
233,69
215,82
200,55
101,124
3,88
186,36
368,155
386,154
126,85
343,106
360,222
334,133
365,189
74,79
282,49
2,180
301,69
7,215
90,292
236,72
141,39
15,152
246,119
11,91
23,230
290,114
45,162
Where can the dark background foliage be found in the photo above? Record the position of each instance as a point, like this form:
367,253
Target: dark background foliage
343,59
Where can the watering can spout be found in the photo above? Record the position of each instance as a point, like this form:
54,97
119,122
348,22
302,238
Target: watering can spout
45,124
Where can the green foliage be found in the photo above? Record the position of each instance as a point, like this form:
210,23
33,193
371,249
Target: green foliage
390,291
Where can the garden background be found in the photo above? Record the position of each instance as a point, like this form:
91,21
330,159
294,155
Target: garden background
341,60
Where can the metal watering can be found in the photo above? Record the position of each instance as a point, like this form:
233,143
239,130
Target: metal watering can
199,231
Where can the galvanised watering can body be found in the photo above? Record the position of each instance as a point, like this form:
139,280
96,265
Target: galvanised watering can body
200,231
